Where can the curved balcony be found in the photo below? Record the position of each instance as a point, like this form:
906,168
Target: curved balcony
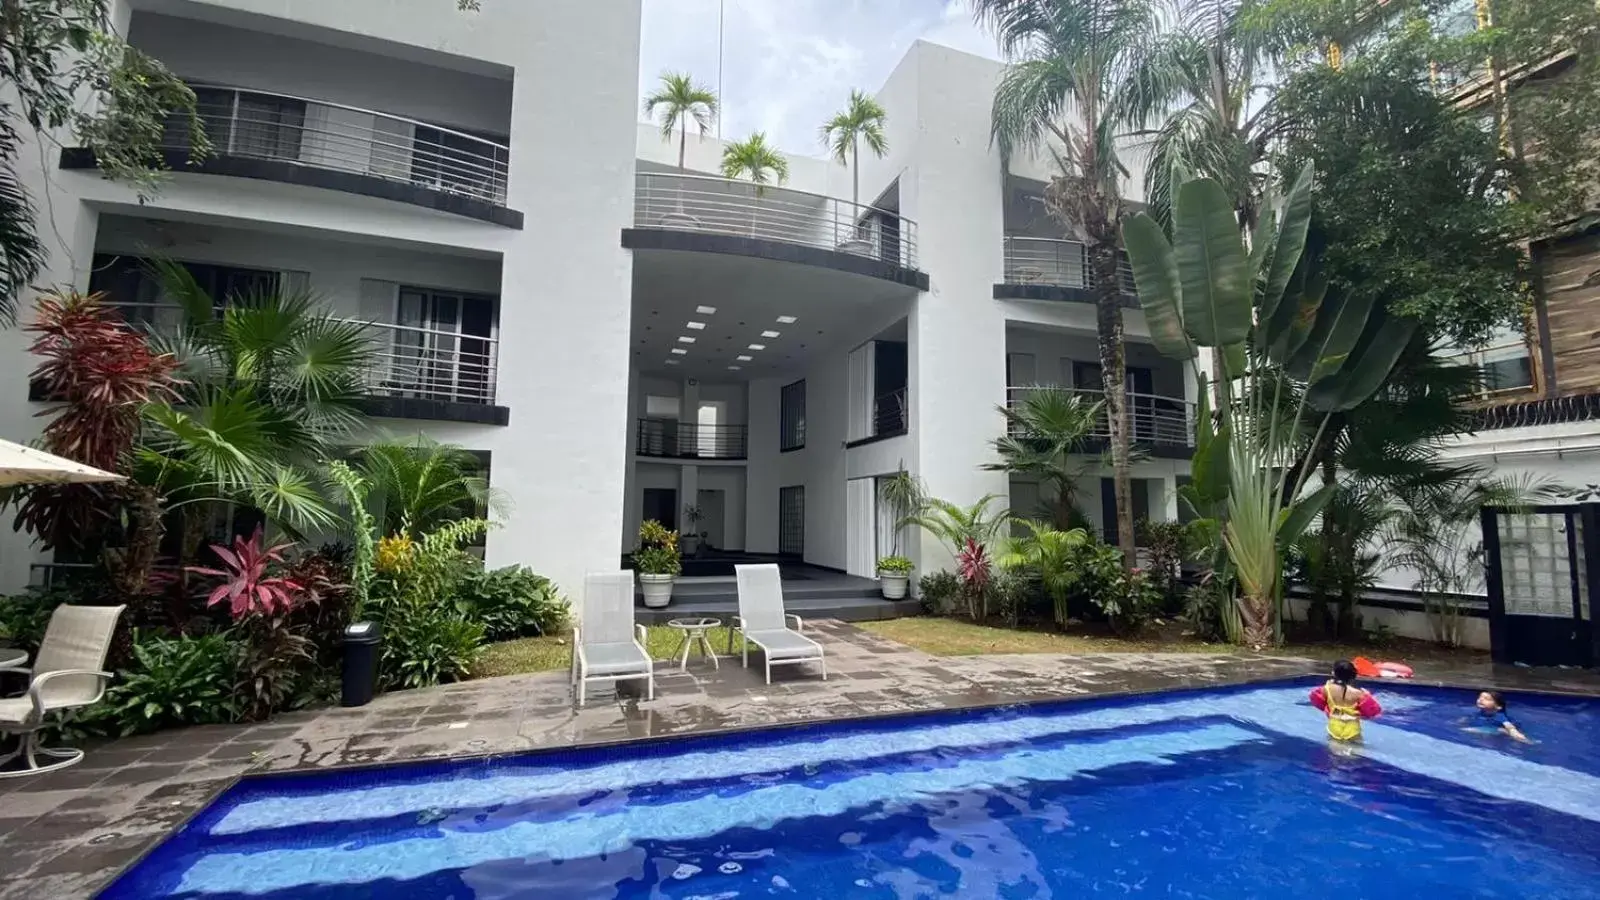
280,137
721,215
1156,420
1055,269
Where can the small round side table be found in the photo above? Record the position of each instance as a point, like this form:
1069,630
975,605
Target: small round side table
695,633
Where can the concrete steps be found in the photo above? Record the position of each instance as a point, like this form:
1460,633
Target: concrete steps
824,596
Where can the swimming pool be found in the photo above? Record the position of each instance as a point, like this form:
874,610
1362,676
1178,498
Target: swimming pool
1230,794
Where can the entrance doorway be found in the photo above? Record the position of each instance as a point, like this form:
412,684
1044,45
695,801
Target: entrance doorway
714,517
660,504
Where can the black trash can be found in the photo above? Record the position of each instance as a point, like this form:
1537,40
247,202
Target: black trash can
362,644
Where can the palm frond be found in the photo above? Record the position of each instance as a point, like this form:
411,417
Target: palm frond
754,158
22,255
679,99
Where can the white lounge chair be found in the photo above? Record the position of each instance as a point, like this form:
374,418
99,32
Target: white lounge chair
67,674
762,621
608,646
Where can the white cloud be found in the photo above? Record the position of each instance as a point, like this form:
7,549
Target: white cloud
790,64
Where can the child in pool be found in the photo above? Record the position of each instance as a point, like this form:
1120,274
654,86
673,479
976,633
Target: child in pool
1492,717
1344,703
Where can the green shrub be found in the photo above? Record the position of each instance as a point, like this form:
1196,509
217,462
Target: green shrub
895,565
1015,596
940,593
23,616
512,602
432,647
427,638
171,682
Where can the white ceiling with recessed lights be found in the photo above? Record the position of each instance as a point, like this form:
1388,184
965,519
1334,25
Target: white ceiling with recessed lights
718,316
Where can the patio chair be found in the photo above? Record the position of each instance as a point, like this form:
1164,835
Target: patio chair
762,621
66,675
608,646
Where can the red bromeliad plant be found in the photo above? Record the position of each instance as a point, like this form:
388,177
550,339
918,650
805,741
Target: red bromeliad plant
973,564
99,375
247,585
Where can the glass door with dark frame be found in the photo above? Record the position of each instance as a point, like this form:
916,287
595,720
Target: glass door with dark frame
444,346
1140,387
792,521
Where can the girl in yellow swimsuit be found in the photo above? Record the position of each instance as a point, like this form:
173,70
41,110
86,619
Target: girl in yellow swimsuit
1344,703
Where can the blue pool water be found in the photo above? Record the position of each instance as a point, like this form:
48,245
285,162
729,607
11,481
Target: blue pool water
1228,794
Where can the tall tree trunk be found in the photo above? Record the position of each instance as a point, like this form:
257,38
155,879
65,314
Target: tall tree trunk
683,147
1113,371
855,175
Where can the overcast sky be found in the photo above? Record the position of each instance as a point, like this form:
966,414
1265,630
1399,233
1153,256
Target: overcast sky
788,65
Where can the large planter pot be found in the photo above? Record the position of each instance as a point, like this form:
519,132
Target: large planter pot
657,589
893,584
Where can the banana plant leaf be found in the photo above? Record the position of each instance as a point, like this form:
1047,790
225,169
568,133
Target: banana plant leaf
1293,520
1155,275
1341,320
1289,247
1291,324
1213,268
1374,358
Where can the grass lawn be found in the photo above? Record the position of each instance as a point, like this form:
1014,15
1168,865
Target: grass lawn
953,637
554,653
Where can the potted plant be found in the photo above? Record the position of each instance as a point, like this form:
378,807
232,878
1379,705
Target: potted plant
894,574
658,563
692,535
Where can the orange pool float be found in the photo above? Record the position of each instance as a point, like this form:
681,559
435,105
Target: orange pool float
1366,668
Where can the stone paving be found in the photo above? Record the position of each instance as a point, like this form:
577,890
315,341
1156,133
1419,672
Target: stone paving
67,834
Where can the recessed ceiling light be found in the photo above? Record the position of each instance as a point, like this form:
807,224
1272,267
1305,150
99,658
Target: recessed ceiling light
758,346
733,368
672,362
680,351
744,358
769,334
787,320
685,339
697,326
706,310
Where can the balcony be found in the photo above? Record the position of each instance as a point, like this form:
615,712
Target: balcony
277,137
411,372
672,439
675,211
1055,269
1156,421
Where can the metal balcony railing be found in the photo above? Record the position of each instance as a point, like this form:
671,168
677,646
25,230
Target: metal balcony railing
404,360
1153,418
1057,262
671,439
681,202
263,125
889,414
432,364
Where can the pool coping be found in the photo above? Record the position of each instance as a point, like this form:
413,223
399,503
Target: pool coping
1119,694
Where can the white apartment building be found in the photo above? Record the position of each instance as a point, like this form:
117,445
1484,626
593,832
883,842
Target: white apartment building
622,339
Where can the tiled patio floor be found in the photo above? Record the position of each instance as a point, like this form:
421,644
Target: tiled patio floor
67,834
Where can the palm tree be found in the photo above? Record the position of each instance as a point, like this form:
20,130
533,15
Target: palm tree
416,487
1205,78
1052,554
1073,82
754,158
1045,434
860,121
272,387
678,101
955,525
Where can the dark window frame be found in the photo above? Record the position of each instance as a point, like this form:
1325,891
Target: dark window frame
792,419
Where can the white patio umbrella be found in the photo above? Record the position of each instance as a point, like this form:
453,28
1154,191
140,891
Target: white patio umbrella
25,465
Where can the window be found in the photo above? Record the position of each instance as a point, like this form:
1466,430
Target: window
1504,360
792,521
444,346
792,416
135,292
